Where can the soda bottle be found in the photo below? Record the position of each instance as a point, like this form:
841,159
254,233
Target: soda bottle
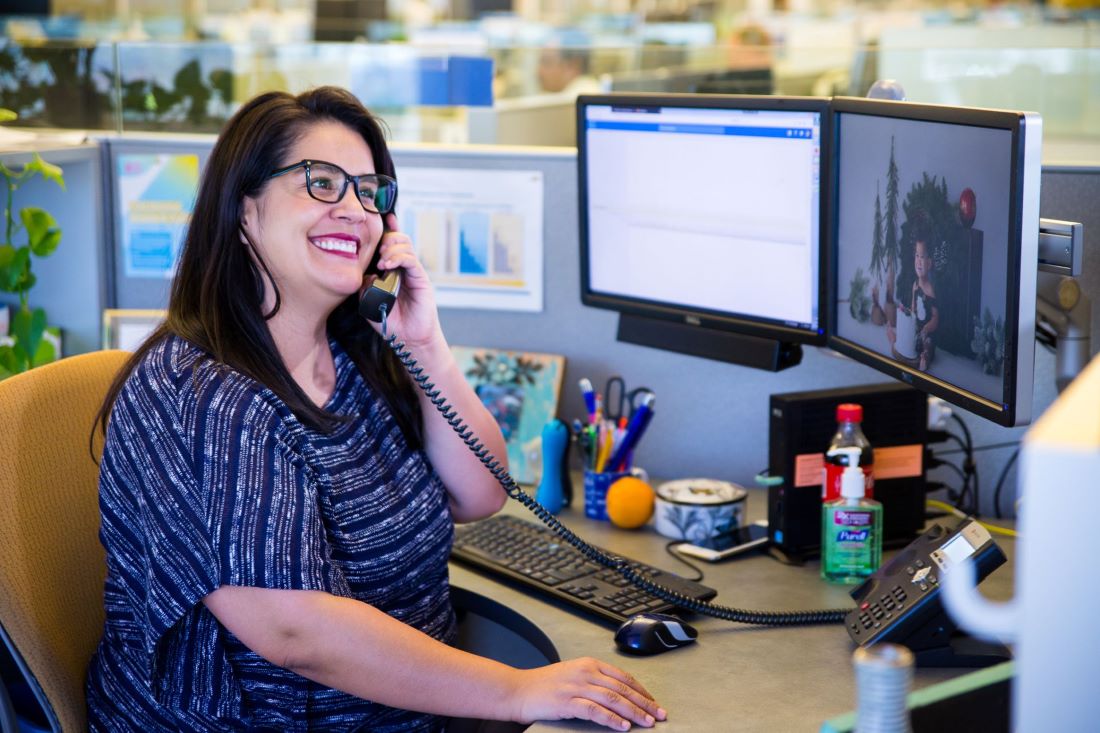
848,434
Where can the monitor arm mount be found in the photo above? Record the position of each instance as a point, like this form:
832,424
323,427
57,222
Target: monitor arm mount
1063,313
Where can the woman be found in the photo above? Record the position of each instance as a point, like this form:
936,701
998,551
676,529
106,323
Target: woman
277,499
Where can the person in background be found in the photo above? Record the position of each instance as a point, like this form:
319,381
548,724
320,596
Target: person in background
923,303
278,500
564,67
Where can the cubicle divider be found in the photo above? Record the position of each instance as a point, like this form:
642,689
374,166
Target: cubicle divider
72,282
711,418
150,183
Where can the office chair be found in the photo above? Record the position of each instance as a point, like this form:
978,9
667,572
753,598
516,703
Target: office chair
52,565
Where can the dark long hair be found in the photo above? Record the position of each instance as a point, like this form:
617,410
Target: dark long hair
217,294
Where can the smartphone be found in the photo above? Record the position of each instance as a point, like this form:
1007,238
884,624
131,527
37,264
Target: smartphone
727,545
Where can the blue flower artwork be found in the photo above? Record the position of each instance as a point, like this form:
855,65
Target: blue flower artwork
520,390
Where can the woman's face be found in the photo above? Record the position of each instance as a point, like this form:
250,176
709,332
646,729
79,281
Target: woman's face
316,251
922,260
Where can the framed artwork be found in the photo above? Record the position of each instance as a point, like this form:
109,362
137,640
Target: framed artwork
521,390
126,329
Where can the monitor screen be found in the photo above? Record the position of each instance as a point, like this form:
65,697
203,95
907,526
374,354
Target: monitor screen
705,210
935,229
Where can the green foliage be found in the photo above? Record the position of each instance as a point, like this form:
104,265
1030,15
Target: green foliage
890,252
988,343
41,235
878,243
492,368
859,301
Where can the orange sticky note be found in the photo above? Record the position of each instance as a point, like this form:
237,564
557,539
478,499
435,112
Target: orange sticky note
899,461
808,469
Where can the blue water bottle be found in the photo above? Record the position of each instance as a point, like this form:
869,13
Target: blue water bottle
552,490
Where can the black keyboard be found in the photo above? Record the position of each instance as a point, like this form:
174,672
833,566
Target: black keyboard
533,556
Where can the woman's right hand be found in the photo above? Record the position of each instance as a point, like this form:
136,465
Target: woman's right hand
587,689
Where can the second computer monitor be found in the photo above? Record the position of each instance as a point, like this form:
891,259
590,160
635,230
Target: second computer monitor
935,216
704,211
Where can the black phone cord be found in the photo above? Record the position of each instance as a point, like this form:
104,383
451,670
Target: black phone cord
613,562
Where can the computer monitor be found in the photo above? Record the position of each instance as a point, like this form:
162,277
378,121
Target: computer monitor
700,221
934,231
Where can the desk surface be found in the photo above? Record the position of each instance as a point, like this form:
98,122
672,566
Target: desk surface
736,678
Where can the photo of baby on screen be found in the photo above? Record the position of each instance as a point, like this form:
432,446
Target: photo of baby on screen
922,249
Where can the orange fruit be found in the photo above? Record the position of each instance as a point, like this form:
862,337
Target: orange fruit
629,502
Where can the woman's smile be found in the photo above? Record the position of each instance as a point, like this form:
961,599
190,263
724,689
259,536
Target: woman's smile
341,245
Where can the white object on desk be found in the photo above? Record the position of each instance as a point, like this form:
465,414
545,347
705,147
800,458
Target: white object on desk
1053,617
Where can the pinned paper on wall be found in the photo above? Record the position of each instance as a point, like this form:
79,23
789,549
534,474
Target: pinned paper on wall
478,233
156,195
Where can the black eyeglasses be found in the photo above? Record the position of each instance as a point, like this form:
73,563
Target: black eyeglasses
327,182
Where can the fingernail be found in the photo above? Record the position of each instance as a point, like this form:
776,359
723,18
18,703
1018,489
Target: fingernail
662,713
648,719
625,725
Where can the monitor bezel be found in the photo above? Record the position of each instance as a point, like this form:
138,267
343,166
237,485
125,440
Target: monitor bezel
1023,226
689,315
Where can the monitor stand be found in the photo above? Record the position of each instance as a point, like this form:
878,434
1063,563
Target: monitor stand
709,343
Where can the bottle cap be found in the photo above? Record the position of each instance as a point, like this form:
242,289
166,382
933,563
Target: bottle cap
849,412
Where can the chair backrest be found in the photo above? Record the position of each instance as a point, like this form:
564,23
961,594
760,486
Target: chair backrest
52,565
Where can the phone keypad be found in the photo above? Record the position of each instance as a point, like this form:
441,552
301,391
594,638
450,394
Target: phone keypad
872,615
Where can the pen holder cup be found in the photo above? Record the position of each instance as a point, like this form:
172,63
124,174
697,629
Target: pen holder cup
596,484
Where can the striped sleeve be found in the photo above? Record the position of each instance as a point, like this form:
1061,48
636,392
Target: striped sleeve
203,474
259,493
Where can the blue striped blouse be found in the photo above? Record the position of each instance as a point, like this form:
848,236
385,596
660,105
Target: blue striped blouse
207,479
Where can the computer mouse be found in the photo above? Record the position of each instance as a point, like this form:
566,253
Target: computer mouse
653,633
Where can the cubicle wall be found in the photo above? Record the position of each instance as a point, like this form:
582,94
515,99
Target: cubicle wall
143,286
711,418
72,282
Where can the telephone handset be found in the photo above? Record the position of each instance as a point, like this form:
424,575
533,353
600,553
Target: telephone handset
383,291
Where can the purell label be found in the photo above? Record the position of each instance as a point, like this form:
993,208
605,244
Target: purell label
851,519
852,535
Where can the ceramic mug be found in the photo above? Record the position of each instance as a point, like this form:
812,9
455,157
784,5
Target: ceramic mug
697,509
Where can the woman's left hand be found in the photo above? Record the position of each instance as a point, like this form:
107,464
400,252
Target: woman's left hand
414,318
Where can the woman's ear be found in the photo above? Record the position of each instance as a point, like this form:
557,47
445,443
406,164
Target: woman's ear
250,215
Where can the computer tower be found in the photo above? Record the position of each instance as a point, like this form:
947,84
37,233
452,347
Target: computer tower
801,425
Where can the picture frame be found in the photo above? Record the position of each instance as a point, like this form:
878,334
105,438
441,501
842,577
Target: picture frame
126,329
521,390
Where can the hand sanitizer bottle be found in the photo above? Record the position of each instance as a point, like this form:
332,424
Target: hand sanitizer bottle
851,528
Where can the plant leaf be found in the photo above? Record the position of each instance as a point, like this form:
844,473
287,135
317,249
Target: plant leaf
7,254
9,364
48,244
49,171
6,115
18,270
27,327
42,230
44,354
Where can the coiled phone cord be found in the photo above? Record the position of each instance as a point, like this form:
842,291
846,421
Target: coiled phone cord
618,564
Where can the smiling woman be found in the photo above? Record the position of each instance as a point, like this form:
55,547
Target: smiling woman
277,503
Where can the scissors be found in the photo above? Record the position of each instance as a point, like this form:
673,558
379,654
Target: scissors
620,404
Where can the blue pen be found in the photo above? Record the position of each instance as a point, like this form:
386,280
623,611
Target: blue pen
641,431
589,398
633,432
